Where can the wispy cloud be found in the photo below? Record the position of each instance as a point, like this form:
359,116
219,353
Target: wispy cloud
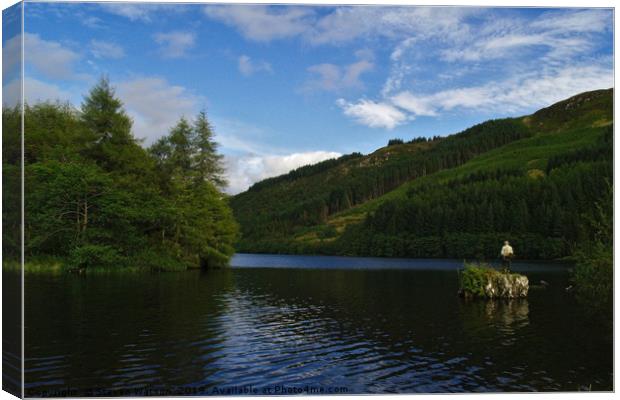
175,44
249,67
103,49
92,22
574,21
35,91
49,58
335,78
341,25
514,95
505,63
263,23
143,12
155,105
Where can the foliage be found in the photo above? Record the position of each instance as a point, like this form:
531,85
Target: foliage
94,254
96,198
482,281
394,142
474,278
278,207
593,272
593,278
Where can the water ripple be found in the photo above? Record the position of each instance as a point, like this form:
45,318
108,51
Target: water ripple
369,331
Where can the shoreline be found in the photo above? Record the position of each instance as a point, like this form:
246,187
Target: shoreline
277,261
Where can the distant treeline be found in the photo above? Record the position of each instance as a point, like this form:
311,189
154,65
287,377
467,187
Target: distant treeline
422,139
279,206
535,181
306,170
469,217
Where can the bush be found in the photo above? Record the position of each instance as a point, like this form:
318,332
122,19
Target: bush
474,278
593,272
485,282
158,260
93,255
593,279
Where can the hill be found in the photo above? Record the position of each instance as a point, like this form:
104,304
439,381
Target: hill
533,180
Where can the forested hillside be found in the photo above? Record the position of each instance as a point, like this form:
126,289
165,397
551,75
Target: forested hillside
94,197
533,180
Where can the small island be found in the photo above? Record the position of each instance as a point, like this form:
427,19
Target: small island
483,281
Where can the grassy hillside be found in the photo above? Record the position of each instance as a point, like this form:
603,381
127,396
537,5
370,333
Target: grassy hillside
532,179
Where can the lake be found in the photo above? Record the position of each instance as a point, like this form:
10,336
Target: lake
305,324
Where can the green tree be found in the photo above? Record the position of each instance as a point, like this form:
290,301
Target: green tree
593,272
207,162
96,198
112,144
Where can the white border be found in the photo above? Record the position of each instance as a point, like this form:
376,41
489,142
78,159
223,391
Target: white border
476,3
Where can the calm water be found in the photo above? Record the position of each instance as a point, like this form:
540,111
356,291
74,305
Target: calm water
284,323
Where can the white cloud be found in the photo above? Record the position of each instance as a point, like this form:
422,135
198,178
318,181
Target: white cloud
592,20
331,77
248,67
135,11
102,49
11,57
92,22
155,105
263,23
49,58
520,93
515,95
175,44
250,155
415,105
348,23
493,46
328,77
243,171
515,43
561,34
35,91
373,114
344,24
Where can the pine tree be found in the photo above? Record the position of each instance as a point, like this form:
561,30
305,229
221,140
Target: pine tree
207,162
113,146
181,145
103,114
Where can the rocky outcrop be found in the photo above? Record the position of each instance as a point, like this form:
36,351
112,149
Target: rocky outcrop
504,285
485,282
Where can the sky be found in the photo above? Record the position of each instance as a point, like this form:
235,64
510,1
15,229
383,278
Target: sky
286,86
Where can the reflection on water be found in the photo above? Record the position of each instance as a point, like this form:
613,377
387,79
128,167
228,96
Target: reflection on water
511,314
369,331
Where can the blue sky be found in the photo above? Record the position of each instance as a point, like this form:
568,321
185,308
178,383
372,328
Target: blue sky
290,85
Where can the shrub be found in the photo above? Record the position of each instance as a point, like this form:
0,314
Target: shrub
483,281
93,255
593,279
474,278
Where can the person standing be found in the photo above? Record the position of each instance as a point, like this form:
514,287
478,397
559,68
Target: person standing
506,254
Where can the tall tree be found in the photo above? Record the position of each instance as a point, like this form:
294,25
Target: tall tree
207,161
104,116
181,140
